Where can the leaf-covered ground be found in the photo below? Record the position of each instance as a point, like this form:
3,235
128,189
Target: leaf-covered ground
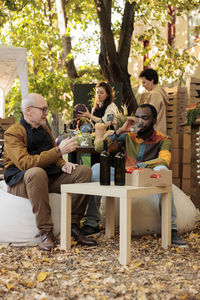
95,273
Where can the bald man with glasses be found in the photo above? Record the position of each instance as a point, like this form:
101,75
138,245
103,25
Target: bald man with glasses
34,167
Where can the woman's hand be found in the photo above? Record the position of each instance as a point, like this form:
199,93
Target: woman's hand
69,167
85,114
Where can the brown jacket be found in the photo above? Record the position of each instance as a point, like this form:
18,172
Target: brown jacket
15,150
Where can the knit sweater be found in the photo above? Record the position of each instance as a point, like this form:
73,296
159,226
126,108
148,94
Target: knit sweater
150,153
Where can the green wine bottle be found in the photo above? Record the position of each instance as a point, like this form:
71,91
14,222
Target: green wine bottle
119,166
105,163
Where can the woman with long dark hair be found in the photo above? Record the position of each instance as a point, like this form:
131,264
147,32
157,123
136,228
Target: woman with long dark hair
104,109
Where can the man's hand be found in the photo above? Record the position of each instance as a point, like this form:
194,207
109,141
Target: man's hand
68,167
126,127
68,145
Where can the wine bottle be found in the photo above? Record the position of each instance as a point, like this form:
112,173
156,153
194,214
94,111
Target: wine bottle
119,166
105,163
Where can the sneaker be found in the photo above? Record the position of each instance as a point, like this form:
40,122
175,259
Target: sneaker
89,230
177,240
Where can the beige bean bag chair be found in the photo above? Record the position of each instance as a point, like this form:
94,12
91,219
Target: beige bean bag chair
146,216
18,226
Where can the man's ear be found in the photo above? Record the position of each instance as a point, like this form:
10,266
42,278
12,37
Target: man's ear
154,121
27,110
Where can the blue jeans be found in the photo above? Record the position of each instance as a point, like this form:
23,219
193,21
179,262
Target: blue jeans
94,202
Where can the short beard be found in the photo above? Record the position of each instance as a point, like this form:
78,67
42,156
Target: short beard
147,132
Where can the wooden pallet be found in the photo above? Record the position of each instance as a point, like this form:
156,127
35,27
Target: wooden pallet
177,181
176,154
192,80
186,186
176,116
193,90
176,108
175,90
174,123
4,124
186,170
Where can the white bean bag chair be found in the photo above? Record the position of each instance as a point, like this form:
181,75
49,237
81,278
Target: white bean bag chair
17,221
145,215
18,226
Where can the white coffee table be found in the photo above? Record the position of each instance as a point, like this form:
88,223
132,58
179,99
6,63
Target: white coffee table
125,193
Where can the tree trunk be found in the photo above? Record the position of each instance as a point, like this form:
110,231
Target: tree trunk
66,40
67,46
114,64
55,124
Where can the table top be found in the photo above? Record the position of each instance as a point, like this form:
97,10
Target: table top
85,149
94,188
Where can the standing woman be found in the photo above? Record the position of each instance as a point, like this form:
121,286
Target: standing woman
157,97
104,109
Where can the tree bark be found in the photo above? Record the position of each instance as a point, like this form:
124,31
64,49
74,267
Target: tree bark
67,46
114,64
55,124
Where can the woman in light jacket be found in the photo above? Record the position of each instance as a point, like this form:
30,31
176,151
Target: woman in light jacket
104,109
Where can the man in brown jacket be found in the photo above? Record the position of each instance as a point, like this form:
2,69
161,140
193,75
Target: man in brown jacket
157,97
34,167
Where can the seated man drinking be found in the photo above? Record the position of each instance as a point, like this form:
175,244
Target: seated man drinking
147,148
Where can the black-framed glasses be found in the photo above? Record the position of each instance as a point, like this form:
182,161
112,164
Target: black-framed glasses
44,109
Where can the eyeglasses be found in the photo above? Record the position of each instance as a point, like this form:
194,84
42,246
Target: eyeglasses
44,109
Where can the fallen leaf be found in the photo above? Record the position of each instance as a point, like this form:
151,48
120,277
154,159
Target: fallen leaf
109,280
27,264
42,276
179,250
9,286
96,276
46,259
195,267
30,284
137,264
73,243
193,236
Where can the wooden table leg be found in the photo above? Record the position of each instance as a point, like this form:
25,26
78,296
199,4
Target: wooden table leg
78,158
65,233
125,230
166,220
110,216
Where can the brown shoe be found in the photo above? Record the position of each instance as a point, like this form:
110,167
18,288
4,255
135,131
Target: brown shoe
47,241
80,238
